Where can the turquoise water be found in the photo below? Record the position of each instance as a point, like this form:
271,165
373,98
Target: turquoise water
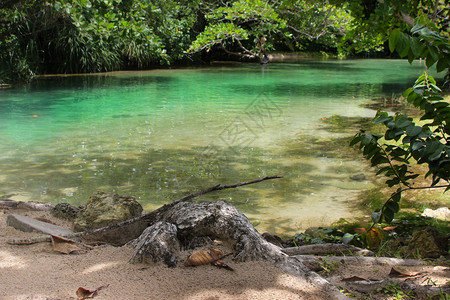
159,135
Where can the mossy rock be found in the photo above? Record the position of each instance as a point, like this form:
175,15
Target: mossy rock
427,243
104,209
65,211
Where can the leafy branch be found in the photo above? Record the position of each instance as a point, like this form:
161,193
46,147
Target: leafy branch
404,140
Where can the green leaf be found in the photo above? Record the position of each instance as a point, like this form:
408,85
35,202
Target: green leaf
433,52
416,46
403,122
397,197
388,215
355,140
430,60
382,118
407,92
347,238
442,64
402,46
393,39
376,217
413,130
393,206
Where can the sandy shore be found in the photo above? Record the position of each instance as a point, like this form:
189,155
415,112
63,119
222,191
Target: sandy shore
37,272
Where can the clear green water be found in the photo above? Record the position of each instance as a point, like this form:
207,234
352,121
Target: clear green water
160,135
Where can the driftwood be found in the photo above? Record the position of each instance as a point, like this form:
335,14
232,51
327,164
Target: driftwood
33,205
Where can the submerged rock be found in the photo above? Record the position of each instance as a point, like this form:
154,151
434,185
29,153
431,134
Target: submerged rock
103,209
358,177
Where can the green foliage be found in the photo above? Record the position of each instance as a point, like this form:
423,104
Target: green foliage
328,267
238,26
314,24
373,21
324,235
70,36
404,140
395,291
244,22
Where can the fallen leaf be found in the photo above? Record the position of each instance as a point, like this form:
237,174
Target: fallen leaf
83,293
389,228
221,264
359,230
374,237
397,272
63,245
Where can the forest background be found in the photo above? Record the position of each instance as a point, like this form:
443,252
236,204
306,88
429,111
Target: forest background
85,36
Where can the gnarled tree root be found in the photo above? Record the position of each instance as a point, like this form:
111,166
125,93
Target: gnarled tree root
179,224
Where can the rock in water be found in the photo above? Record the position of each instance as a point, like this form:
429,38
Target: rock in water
103,209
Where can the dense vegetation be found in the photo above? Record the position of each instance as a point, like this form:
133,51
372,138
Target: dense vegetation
72,36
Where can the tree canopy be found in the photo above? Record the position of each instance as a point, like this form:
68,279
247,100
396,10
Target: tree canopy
76,36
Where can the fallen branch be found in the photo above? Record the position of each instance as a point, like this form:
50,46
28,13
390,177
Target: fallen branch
121,233
219,187
327,249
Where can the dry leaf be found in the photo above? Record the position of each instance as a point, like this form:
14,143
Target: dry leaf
221,264
203,257
389,228
374,237
63,245
83,293
397,272
359,230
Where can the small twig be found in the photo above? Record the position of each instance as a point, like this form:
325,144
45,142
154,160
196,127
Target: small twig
219,187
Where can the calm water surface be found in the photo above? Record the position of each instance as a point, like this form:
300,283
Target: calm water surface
160,135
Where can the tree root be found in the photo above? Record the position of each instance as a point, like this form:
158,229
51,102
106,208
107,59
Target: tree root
327,249
315,262
367,287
